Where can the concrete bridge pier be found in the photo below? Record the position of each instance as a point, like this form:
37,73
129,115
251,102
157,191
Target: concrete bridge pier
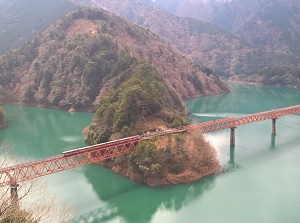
274,126
232,136
14,199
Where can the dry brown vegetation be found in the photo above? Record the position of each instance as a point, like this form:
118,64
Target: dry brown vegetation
208,44
173,159
33,204
72,62
91,58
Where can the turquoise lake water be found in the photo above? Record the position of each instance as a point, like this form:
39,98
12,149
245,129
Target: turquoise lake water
261,186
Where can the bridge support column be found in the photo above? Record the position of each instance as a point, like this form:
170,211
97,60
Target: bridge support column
232,136
274,126
14,199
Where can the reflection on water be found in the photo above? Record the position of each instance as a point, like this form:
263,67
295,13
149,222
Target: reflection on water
102,214
133,202
273,137
231,160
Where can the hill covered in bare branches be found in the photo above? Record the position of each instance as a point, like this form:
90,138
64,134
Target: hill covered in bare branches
224,51
76,61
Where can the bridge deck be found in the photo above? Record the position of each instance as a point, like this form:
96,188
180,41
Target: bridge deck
96,153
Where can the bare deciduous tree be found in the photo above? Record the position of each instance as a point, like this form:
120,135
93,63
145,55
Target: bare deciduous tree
33,204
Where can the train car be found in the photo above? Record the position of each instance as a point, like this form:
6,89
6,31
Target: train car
101,145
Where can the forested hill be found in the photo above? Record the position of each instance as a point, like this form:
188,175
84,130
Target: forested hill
208,44
20,20
270,25
79,59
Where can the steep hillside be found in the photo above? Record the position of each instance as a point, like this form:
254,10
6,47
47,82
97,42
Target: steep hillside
270,25
75,62
274,26
20,20
208,44
140,101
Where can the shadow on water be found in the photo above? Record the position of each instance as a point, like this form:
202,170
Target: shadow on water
134,202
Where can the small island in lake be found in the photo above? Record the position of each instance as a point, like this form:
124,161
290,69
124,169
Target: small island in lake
139,105
171,159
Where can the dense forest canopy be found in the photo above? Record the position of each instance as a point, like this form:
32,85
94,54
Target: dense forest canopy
120,112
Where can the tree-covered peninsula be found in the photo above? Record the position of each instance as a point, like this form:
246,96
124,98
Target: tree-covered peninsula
92,60
140,102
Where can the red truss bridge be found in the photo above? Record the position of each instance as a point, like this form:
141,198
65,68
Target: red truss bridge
96,153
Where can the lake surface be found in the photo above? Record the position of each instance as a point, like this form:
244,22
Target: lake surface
261,184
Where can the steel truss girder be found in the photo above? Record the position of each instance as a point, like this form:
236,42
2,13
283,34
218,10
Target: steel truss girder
210,126
27,171
97,153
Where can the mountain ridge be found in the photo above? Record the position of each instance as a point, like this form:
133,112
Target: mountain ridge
72,63
271,25
223,52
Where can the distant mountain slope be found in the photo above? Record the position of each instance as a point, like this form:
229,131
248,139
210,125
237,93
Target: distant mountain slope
281,76
80,58
271,25
208,44
20,20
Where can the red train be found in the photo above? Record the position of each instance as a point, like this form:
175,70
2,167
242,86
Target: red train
102,145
